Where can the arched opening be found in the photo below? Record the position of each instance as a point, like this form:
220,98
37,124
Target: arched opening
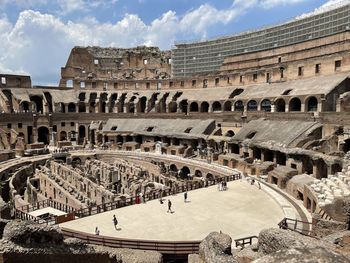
142,103
210,177
257,153
82,134
321,169
295,104
228,106
216,106
25,106
312,104
103,105
119,139
346,145
268,156
128,138
252,105
336,168
194,107
198,173
43,135
172,106
132,104
173,168
281,158
82,107
185,171
280,105
71,107
112,101
63,136
204,106
266,105
92,102
37,103
239,106
103,102
183,106
230,133
307,165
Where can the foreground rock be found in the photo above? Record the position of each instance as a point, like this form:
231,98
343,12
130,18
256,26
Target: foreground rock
26,243
311,255
272,240
215,248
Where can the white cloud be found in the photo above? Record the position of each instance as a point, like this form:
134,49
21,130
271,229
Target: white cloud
272,3
39,44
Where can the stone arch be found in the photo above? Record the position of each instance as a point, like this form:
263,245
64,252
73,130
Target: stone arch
43,135
112,101
266,105
173,167
295,104
210,177
228,106
346,145
239,105
280,105
71,107
216,106
198,173
61,107
82,107
252,105
37,103
131,105
82,133
183,106
172,107
143,104
204,106
92,102
63,136
24,106
311,104
185,172
230,133
194,107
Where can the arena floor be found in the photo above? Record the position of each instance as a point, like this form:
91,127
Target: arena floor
241,211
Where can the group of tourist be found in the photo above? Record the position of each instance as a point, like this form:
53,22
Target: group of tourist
222,186
115,222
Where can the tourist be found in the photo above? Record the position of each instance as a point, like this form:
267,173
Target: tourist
115,221
169,206
259,185
185,197
97,231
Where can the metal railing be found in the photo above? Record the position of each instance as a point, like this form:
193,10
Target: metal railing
93,210
23,211
295,225
242,242
164,247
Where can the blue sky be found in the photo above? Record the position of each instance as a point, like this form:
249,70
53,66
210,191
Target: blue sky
37,35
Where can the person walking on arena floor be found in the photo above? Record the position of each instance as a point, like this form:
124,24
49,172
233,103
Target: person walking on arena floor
115,221
169,206
185,197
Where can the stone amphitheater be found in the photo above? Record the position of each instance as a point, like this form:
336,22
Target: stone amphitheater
248,137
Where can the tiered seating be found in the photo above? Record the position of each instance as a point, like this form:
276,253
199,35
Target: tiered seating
327,189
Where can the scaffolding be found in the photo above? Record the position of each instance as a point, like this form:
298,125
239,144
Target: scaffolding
208,56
